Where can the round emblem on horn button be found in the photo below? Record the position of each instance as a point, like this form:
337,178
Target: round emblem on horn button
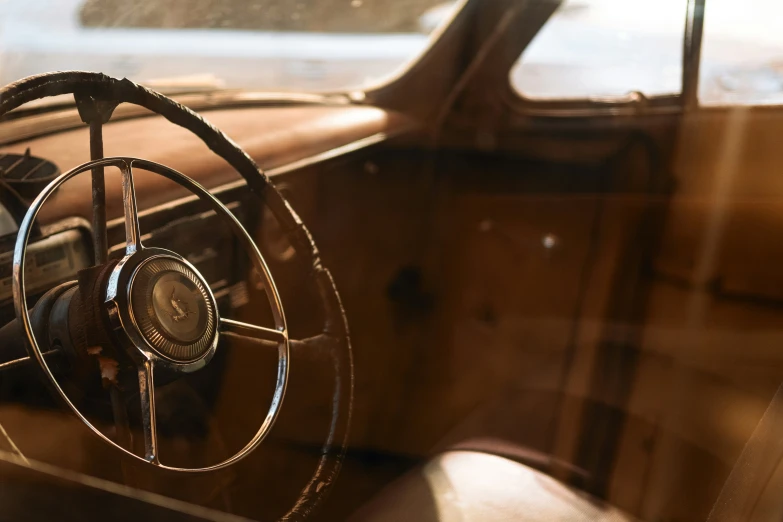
173,309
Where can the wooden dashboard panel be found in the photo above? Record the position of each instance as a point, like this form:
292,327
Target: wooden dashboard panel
273,136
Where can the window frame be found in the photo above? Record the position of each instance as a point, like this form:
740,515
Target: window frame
632,103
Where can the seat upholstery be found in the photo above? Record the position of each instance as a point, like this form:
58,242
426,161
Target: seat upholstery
474,486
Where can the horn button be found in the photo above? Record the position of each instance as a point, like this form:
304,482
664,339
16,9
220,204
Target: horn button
172,308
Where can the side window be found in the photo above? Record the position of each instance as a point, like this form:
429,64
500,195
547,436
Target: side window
604,49
742,53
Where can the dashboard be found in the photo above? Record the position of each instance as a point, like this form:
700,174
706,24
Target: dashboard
282,139
51,260
279,139
298,146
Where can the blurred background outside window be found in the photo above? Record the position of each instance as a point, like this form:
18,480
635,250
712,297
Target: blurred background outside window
610,48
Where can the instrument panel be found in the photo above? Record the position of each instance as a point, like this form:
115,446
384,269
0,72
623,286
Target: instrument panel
59,252
56,255
50,261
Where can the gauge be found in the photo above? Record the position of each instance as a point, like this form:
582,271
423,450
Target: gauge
7,223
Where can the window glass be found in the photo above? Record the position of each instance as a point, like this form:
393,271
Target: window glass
605,48
742,53
311,45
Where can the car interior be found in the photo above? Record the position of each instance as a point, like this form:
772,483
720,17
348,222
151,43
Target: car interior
431,298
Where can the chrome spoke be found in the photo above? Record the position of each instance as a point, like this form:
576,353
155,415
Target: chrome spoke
132,234
147,395
253,332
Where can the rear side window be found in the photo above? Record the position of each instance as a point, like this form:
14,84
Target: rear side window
742,53
605,48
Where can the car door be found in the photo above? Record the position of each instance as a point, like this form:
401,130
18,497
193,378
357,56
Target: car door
563,155
635,207
713,326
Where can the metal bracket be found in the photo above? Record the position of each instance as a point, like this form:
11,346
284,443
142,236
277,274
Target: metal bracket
91,109
95,113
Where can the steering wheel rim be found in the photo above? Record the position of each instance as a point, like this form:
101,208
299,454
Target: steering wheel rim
334,339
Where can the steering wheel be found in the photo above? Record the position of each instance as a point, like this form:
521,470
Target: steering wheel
155,307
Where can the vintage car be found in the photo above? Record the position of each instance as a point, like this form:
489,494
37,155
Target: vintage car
530,275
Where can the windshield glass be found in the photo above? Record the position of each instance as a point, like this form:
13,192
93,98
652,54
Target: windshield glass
297,45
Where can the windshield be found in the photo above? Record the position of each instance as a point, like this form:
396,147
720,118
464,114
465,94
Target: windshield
279,45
